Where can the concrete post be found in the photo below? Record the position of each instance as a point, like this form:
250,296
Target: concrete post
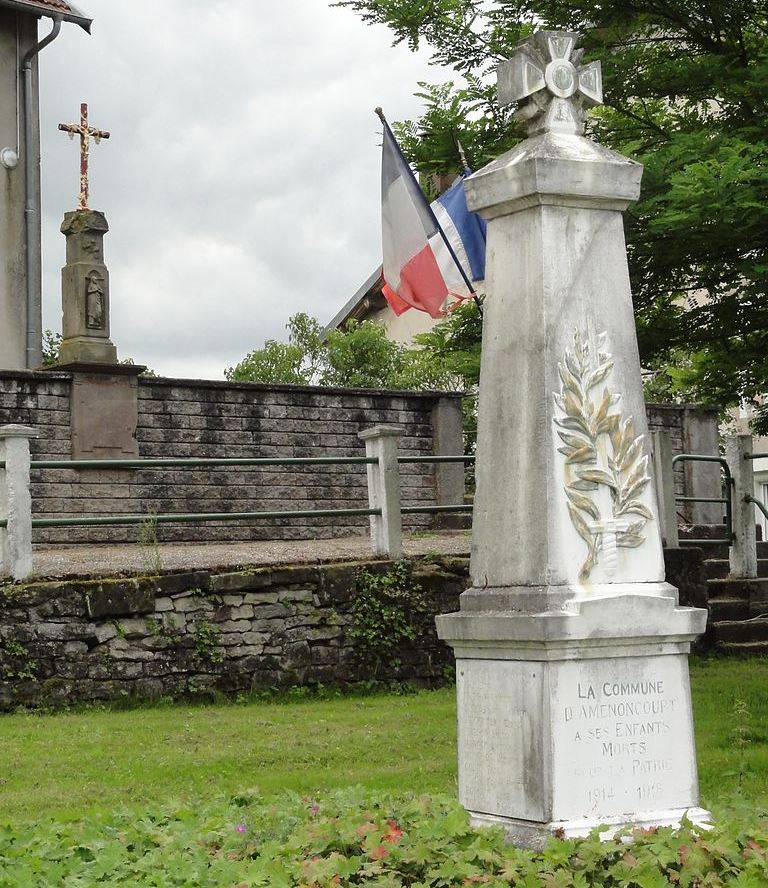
384,489
448,437
743,552
15,502
664,478
701,435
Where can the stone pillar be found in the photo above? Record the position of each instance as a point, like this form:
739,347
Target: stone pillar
664,476
569,638
15,502
743,551
702,435
448,437
384,489
85,291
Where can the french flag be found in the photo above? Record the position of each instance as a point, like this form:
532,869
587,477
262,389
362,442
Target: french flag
432,251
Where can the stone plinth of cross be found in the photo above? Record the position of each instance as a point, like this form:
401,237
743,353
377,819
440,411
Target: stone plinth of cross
553,89
86,133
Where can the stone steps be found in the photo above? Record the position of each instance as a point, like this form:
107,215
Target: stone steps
744,649
741,631
738,609
721,609
719,568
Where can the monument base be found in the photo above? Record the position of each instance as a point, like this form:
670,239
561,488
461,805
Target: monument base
87,350
569,719
525,834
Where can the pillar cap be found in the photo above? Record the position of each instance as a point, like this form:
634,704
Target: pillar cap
554,169
381,431
18,431
81,221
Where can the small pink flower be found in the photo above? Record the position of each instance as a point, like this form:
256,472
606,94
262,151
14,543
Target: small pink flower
241,828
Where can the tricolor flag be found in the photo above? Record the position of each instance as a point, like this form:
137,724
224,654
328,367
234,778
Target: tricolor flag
432,251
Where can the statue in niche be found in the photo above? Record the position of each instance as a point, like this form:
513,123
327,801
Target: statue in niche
94,300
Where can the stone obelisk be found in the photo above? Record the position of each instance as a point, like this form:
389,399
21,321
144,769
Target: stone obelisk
571,650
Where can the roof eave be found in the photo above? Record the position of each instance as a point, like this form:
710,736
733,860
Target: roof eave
76,15
350,306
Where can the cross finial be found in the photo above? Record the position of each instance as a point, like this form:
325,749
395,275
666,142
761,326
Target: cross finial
86,133
546,78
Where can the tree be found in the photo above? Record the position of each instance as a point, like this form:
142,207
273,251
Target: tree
359,356
686,94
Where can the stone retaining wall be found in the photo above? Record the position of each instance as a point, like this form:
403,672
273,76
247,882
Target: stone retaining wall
84,640
185,634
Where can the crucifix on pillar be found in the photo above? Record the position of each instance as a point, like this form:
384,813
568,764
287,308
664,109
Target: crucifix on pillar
86,133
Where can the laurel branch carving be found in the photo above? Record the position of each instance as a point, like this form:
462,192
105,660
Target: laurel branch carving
601,450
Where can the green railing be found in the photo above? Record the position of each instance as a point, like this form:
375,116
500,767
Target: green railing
203,462
725,500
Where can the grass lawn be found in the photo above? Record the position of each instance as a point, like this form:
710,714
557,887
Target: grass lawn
78,764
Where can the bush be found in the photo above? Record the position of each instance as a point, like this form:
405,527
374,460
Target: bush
353,838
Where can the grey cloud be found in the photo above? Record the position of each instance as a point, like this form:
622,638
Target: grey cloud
242,178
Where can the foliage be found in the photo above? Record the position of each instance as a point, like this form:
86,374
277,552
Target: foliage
389,610
207,644
352,837
686,93
359,356
51,346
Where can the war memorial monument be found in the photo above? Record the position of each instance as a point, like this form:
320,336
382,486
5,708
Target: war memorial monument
574,705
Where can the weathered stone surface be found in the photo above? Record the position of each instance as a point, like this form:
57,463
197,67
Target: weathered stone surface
571,651
118,598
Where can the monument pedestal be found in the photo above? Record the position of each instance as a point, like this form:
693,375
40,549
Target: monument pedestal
573,695
85,291
576,718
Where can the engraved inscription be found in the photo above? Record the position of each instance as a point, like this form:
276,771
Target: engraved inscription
622,741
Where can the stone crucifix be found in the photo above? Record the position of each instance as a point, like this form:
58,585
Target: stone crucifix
86,133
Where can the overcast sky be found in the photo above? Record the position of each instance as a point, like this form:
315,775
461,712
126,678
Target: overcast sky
241,181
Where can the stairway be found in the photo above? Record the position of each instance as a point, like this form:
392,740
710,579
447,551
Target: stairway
738,609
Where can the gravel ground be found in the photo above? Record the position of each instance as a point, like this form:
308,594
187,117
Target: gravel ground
126,560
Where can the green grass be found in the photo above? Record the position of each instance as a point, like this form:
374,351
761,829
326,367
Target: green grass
78,764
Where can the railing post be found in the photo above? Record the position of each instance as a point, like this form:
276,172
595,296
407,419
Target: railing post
384,489
664,475
15,502
743,552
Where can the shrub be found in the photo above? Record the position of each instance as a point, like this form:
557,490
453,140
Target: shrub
352,838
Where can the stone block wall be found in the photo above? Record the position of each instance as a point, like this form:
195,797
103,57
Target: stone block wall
84,640
184,418
188,418
693,430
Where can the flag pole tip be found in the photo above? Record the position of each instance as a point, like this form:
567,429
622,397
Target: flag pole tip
379,112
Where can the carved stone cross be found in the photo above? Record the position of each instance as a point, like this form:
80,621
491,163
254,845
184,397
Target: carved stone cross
546,78
609,530
86,133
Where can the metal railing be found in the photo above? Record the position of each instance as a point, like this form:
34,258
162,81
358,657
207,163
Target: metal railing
726,500
383,481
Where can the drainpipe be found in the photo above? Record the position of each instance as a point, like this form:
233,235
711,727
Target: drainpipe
34,272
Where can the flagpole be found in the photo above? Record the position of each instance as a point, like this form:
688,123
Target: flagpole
380,114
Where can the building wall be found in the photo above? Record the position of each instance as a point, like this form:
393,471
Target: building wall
12,226
183,418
